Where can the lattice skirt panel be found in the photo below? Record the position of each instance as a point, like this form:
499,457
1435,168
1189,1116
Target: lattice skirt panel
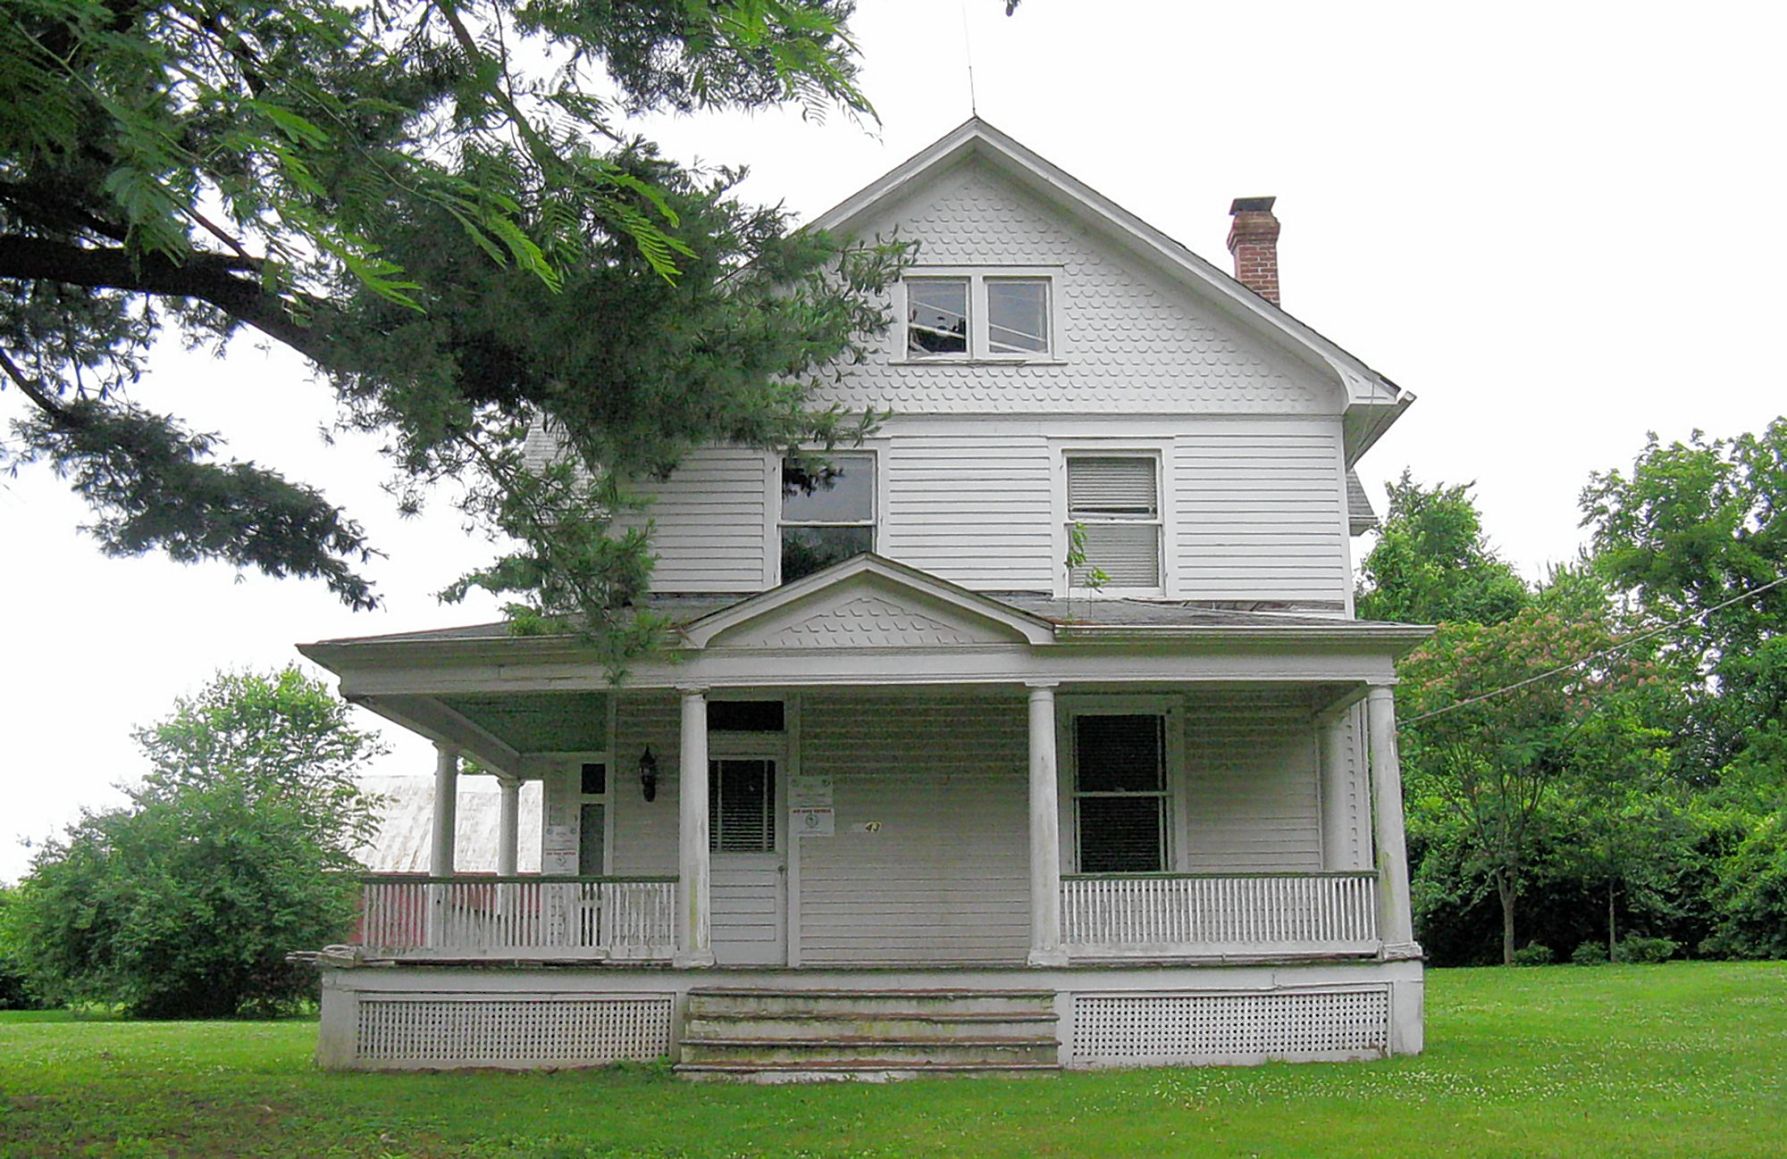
1169,1029
530,1031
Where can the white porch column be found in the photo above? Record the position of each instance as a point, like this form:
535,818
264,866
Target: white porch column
1394,920
1045,832
694,934
440,859
1337,833
446,809
508,833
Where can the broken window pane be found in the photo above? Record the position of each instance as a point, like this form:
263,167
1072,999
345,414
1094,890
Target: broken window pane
936,316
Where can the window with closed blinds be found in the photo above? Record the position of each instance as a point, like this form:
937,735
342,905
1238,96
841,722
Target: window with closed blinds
1113,502
741,805
1120,792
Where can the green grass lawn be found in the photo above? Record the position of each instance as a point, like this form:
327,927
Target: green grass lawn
1684,1059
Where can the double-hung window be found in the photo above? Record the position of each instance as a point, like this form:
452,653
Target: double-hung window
1113,521
1120,792
978,316
828,512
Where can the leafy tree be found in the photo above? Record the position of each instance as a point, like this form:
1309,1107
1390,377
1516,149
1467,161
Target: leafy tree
1493,770
443,209
1432,563
15,991
268,736
233,852
1692,527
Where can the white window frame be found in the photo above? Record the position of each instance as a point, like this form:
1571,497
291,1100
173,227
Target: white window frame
979,335
1160,452
773,524
1175,816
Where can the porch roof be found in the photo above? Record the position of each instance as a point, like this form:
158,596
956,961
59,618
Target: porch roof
698,618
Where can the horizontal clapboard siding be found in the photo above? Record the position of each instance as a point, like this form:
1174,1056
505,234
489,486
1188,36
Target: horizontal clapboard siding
945,878
973,509
708,522
1260,513
1252,796
645,832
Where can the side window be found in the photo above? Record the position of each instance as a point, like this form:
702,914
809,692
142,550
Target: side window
592,819
1120,793
1113,512
828,513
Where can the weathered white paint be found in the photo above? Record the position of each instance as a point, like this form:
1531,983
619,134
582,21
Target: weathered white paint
711,521
1131,339
1251,800
346,991
446,800
749,922
1259,511
1335,770
1395,921
508,845
971,506
1219,915
519,917
944,875
695,913
1045,832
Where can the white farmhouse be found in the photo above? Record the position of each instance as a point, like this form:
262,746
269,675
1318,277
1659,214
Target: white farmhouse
914,793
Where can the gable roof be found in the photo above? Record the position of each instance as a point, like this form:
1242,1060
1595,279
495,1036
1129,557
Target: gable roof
957,602
1374,402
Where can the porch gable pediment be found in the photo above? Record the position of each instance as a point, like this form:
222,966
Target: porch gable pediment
867,603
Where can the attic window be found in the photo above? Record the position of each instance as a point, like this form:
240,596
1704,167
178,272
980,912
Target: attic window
974,316
1017,316
936,316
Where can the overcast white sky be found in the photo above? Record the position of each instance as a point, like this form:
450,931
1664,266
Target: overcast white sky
1558,224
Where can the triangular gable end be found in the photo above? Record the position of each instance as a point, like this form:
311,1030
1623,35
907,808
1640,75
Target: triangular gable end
1374,401
867,602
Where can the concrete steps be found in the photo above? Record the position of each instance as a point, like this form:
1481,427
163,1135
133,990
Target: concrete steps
773,1036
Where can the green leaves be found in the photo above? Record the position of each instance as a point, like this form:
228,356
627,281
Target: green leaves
1432,563
235,851
469,247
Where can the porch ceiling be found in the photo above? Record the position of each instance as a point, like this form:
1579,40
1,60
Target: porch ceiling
538,722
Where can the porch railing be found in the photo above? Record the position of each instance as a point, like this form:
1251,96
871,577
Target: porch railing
1180,914
631,918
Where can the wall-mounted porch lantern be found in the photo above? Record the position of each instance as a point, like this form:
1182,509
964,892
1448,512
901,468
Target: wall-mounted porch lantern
648,774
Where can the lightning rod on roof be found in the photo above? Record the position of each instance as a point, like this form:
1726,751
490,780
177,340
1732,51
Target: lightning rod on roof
968,51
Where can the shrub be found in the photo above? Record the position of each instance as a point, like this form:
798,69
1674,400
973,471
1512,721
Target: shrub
1751,898
1645,951
1589,954
1534,954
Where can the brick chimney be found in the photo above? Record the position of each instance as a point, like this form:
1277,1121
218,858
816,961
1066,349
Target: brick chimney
1253,240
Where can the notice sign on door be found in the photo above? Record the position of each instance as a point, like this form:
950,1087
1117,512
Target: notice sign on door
812,822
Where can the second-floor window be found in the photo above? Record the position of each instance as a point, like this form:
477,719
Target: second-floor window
1113,519
828,512
978,316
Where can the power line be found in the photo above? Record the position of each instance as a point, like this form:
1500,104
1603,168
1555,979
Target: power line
1574,664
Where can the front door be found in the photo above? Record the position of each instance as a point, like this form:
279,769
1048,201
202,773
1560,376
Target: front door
749,873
